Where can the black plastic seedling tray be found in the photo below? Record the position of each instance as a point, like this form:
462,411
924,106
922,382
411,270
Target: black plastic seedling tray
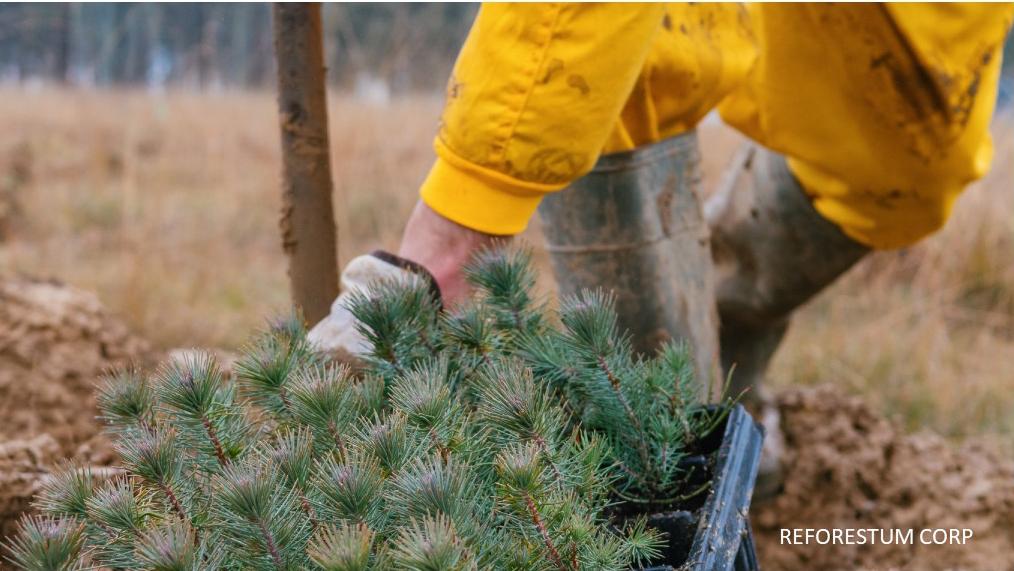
716,536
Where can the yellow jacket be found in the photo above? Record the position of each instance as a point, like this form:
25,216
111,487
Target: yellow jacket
883,110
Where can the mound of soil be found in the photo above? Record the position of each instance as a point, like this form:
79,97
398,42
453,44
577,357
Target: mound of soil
55,341
23,465
847,467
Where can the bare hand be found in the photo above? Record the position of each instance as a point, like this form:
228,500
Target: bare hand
443,247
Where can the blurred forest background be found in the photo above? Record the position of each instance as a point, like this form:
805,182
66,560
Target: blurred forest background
375,48
139,159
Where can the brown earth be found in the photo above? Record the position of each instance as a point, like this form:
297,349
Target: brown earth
55,341
23,465
850,468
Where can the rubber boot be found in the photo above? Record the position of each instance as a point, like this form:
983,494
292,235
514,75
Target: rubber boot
773,252
634,225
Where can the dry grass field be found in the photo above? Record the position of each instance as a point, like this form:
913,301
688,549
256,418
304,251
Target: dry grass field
166,206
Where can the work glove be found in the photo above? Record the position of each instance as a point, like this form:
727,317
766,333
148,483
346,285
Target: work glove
336,335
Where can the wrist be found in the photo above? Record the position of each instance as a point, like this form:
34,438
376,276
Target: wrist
443,247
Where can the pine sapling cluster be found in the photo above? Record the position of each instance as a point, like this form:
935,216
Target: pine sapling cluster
650,411
488,437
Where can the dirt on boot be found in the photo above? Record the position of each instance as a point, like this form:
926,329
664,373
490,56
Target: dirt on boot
847,467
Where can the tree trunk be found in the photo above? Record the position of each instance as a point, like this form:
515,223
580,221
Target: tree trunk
61,68
307,219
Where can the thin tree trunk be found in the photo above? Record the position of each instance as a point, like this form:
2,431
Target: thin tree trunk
307,219
61,69
207,48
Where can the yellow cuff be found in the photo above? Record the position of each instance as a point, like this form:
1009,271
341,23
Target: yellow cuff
480,198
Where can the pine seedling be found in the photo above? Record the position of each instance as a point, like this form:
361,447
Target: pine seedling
120,508
66,491
260,517
599,549
677,379
525,490
323,399
550,362
293,453
514,409
423,395
473,338
121,513
265,370
600,354
642,544
424,398
649,411
47,543
564,526
344,548
389,441
156,458
431,486
589,454
505,279
193,394
126,401
350,492
369,394
109,511
174,546
399,319
432,544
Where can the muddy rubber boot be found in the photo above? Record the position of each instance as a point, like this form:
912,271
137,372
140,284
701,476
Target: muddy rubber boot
773,252
634,225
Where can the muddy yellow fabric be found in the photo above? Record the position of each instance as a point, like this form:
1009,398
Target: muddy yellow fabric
535,93
882,109
703,51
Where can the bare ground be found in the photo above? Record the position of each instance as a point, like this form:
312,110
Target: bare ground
55,342
848,467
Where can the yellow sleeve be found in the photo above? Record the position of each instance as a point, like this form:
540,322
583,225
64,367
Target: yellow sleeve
535,93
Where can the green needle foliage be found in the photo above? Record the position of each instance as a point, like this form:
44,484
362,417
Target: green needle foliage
127,401
347,547
264,370
192,391
173,546
48,542
266,527
497,436
66,492
120,512
649,410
